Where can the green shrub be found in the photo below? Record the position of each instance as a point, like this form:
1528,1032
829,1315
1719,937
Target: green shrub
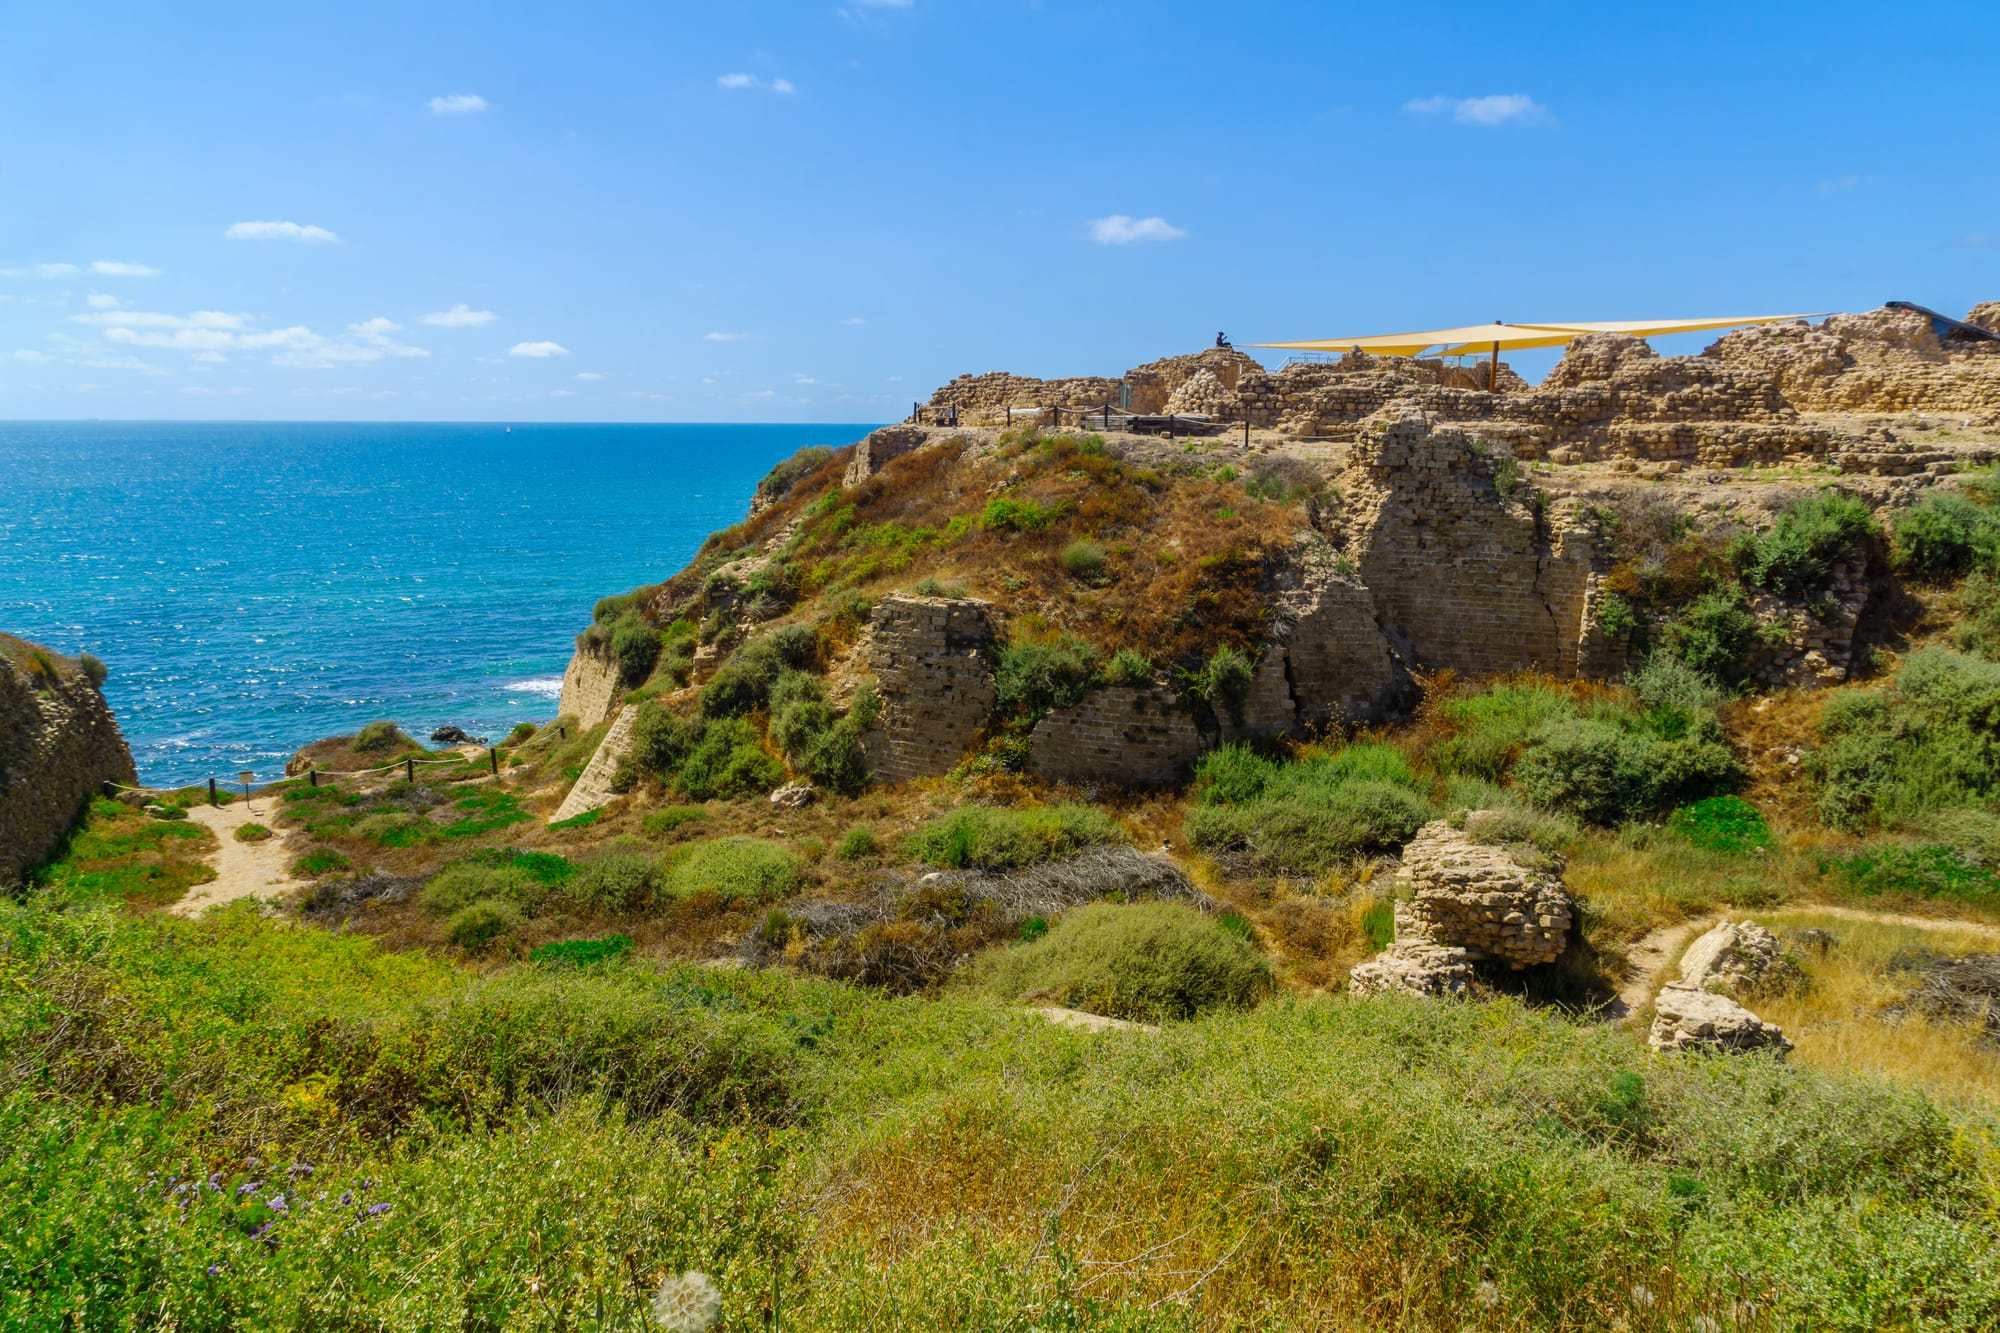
618,883
1919,870
1796,556
478,924
1017,514
577,821
1946,535
857,844
989,838
252,833
778,482
1378,924
1666,681
581,953
728,761
1084,559
1310,832
380,735
463,883
735,870
817,741
93,669
395,828
662,738
1128,666
319,861
744,683
1149,962
1603,772
486,811
1977,614
1722,824
1712,635
1929,741
1491,729
1032,679
635,646
521,732
1223,681
669,820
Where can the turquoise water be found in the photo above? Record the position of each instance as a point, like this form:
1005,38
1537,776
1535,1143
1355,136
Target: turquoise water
254,586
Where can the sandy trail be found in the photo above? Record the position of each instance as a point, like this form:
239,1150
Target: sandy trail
242,869
1654,956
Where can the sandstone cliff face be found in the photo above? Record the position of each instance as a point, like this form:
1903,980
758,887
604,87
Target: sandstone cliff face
58,744
592,688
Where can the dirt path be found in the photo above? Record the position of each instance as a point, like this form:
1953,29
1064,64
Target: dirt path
1654,956
242,869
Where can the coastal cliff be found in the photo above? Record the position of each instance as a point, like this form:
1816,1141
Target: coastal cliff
58,744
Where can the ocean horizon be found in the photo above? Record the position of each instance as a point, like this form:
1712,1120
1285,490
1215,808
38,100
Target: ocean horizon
254,586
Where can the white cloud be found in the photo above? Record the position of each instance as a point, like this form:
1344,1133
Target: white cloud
588,375
562,393
1119,229
378,327
203,391
211,358
457,104
854,319
1978,240
123,363
31,356
279,231
102,301
538,350
111,268
642,393
209,333
460,316
738,82
39,271
146,319
1496,109
724,337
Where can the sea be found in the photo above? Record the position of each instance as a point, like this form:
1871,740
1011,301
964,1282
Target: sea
255,586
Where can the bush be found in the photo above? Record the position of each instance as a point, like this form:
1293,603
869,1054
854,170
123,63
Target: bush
1084,559
1666,681
666,822
478,924
1796,556
1604,772
1128,666
857,843
94,669
521,732
319,861
618,883
1945,536
1919,870
1930,741
581,953
1224,681
1149,962
1722,824
464,883
395,828
1031,679
252,833
735,870
1491,729
984,837
380,735
744,683
1309,833
778,482
728,761
819,743
1711,636
662,738
1017,514
1978,615
636,647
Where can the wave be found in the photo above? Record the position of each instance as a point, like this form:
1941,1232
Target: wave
548,687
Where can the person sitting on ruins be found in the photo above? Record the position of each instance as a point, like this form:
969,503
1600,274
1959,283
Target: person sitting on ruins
1222,340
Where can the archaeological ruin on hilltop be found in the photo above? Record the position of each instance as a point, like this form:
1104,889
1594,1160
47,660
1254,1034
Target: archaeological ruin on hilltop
1448,526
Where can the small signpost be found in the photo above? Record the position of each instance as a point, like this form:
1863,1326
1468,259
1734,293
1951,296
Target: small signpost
246,777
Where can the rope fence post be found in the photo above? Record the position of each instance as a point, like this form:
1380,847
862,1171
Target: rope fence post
211,791
493,753
409,770
312,777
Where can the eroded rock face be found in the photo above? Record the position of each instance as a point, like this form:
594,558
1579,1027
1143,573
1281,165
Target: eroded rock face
1733,958
1480,898
592,687
1691,1019
1413,967
58,744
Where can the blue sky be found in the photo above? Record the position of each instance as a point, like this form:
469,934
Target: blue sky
819,211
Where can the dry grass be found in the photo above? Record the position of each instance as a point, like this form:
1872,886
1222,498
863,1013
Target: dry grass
1841,1020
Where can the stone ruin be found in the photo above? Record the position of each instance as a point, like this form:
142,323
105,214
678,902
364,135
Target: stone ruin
1697,1011
1755,396
1460,902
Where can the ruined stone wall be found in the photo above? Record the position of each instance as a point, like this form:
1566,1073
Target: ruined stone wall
58,745
998,388
1124,735
1877,361
1336,659
930,657
592,688
1458,572
878,447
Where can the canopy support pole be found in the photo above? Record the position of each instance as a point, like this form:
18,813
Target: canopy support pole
1493,371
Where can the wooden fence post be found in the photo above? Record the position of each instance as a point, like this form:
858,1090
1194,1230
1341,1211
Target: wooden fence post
312,777
211,791
493,753
409,769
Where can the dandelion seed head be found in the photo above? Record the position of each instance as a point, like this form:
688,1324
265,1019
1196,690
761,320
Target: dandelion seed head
687,1304
1642,1297
1486,1294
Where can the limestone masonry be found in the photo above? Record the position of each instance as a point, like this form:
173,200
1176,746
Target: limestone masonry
58,745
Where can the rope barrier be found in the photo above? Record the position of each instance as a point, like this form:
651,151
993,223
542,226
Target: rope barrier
322,772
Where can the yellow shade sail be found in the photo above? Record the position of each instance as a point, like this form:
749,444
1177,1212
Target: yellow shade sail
1646,328
1513,337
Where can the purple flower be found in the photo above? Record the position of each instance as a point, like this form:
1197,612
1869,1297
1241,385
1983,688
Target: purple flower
377,1209
257,1232
247,1187
278,1205
299,1169
346,1198
215,1270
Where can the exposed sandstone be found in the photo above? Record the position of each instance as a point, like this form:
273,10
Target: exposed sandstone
1733,957
58,745
1691,1019
930,660
1413,967
1481,898
593,785
592,687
